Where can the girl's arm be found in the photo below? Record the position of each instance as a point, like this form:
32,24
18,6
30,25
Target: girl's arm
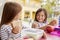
35,25
43,28
52,23
4,33
44,35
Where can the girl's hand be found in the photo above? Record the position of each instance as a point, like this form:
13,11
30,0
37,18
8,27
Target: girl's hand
15,30
34,25
17,27
53,23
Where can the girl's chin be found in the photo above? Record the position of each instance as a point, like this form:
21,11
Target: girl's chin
40,21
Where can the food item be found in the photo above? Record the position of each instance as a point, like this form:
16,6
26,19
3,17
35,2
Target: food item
49,29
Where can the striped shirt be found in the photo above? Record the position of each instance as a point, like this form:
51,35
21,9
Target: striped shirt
6,33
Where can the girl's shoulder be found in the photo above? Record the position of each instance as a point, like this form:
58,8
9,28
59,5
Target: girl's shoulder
46,22
4,26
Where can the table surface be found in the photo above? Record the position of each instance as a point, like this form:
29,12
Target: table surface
49,37
52,37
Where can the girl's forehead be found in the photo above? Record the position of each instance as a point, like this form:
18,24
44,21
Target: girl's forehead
41,13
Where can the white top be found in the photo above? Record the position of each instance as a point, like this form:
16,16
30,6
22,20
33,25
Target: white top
40,24
6,33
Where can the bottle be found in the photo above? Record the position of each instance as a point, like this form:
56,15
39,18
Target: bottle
59,21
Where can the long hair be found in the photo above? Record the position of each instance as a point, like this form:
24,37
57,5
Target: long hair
39,10
10,10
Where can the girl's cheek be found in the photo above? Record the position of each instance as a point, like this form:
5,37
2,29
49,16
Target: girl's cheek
37,17
17,16
43,18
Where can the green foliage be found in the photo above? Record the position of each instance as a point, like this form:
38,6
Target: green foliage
49,6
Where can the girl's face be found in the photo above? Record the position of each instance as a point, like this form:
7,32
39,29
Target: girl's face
41,16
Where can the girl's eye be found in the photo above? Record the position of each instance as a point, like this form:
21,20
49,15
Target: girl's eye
38,15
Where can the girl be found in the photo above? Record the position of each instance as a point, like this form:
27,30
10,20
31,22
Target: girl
10,26
40,19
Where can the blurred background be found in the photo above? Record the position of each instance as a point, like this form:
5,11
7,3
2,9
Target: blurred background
30,7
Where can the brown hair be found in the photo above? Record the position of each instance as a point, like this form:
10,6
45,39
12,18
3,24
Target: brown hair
39,10
10,10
